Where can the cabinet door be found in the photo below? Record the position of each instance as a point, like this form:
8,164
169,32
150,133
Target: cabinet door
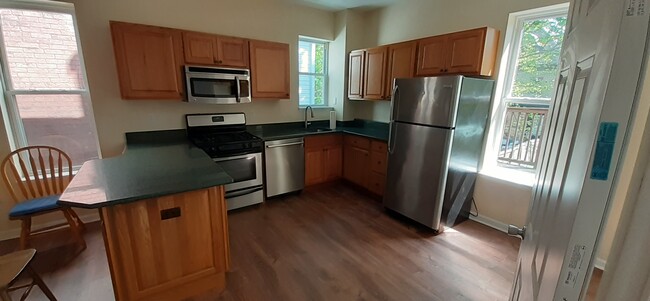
269,70
200,48
431,56
314,163
465,51
355,165
374,73
232,52
355,74
149,61
377,183
333,166
401,63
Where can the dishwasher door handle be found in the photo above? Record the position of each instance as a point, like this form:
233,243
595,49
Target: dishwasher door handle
286,144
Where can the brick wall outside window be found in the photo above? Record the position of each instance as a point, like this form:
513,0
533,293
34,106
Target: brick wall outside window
42,55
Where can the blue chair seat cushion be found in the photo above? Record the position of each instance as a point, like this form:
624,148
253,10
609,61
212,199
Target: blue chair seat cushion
37,205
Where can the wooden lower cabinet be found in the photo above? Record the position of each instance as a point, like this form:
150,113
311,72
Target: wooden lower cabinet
168,248
365,163
323,158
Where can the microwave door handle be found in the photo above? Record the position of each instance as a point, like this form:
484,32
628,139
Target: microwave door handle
238,96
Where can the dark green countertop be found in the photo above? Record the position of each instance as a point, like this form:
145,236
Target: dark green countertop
276,131
154,164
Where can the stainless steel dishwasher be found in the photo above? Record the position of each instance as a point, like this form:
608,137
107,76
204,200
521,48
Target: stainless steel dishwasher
285,166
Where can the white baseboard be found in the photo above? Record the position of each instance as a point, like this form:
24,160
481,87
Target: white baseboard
495,224
490,222
15,233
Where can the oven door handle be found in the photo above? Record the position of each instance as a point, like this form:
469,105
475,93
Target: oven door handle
246,191
285,144
238,96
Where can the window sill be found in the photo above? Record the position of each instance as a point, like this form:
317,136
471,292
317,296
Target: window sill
515,176
316,107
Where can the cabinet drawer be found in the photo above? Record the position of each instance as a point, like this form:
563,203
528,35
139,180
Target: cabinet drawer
360,142
378,146
377,183
378,162
319,141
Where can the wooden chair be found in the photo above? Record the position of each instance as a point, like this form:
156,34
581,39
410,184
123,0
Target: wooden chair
11,266
36,177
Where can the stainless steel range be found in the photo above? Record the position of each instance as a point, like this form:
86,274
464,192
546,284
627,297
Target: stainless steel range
224,138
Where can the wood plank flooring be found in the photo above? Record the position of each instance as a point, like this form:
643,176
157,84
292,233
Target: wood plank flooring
328,244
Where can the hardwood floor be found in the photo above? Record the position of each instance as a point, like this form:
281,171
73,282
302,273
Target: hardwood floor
329,244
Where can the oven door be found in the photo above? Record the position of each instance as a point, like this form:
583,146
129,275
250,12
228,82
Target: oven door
218,88
246,170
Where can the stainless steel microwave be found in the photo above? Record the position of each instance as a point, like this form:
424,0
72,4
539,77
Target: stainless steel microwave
215,85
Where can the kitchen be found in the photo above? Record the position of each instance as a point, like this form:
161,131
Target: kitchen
347,30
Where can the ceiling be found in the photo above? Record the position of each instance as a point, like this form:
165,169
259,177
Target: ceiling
336,5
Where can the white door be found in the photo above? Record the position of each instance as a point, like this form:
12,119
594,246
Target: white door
602,60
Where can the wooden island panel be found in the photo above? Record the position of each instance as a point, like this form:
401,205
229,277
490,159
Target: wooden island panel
168,248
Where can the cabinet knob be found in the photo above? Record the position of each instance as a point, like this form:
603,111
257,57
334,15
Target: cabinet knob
442,70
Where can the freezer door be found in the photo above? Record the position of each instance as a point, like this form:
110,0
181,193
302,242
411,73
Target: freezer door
426,100
417,171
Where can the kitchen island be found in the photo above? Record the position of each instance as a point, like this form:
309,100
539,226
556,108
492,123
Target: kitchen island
163,213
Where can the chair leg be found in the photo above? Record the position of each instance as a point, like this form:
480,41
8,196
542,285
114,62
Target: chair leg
75,229
38,281
25,231
81,224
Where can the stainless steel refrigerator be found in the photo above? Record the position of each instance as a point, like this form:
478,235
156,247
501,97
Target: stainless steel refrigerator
437,130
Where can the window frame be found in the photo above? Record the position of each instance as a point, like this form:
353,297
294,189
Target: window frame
325,73
502,99
10,113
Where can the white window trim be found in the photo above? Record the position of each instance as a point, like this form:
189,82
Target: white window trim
510,53
325,73
10,114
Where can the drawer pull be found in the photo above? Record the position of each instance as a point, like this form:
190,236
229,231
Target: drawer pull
170,213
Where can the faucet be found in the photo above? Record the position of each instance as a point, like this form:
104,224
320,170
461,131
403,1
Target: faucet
307,123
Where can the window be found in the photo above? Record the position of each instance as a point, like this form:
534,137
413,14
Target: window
529,68
46,99
312,72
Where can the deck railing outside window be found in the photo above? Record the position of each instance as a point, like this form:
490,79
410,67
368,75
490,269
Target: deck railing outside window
522,137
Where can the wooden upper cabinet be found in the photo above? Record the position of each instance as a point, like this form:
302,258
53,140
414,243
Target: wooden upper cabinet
431,56
232,51
472,51
269,70
149,61
203,48
374,73
200,48
401,63
355,74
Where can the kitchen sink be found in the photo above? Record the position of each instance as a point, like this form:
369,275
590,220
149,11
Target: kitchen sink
317,130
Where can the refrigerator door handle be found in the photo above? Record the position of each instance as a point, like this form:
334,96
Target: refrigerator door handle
392,100
391,139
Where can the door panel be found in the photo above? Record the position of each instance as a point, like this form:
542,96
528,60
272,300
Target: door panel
199,48
269,70
569,198
401,63
465,51
313,166
232,52
431,56
427,100
333,162
355,74
414,189
374,75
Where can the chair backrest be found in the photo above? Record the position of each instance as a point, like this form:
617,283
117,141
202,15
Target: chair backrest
36,171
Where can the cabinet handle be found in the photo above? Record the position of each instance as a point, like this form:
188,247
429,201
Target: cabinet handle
442,70
446,70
